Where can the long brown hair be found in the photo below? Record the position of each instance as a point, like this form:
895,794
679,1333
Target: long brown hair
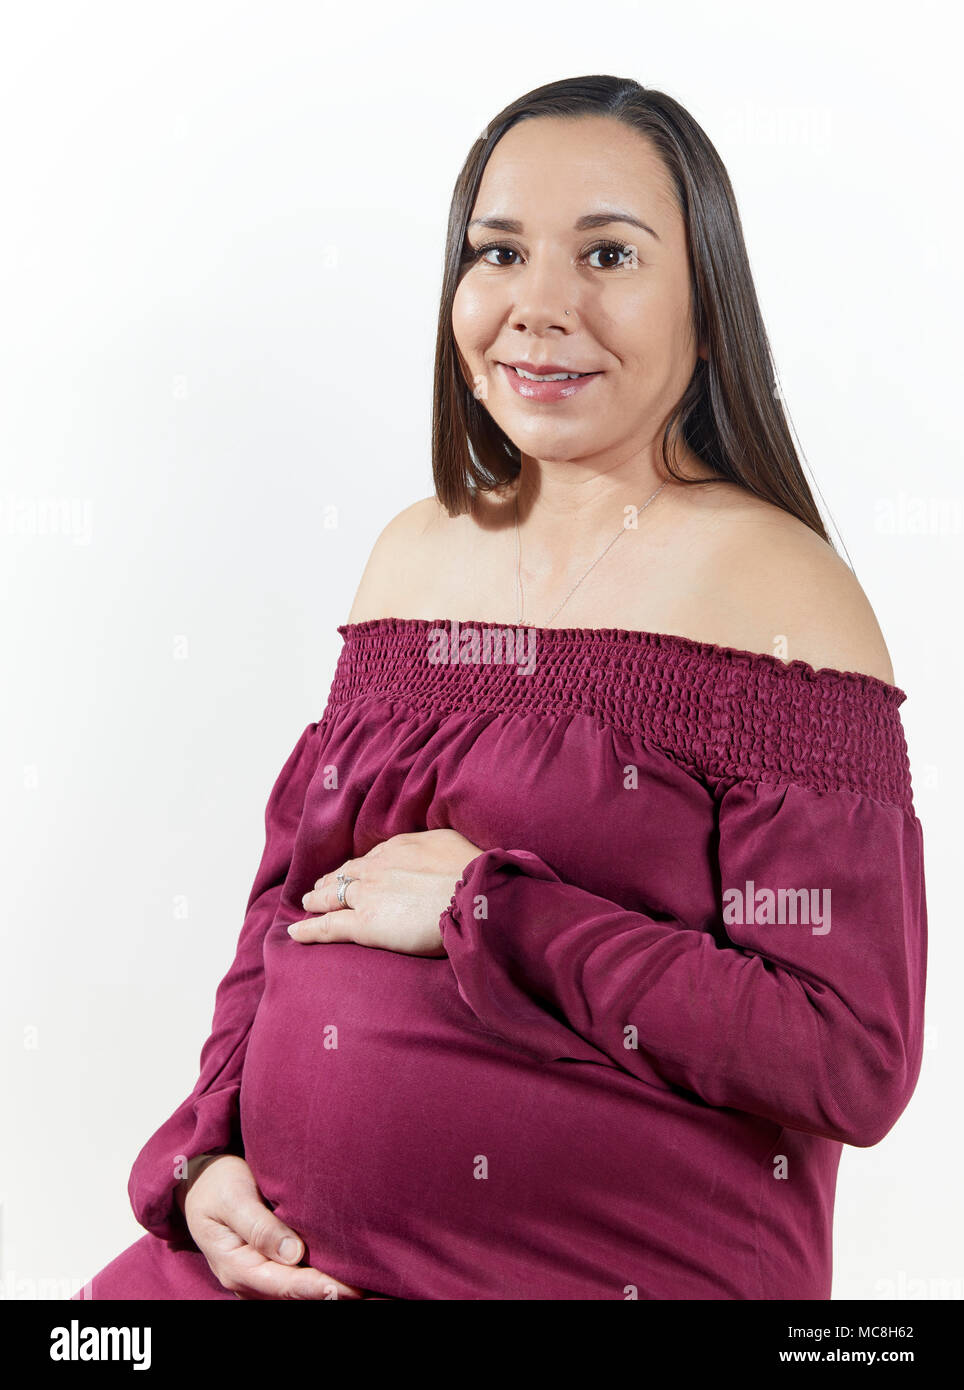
731,414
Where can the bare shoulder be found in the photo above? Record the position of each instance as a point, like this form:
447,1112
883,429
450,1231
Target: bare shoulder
795,595
398,561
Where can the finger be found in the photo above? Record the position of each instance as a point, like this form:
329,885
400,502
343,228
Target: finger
351,867
325,899
324,896
249,1275
329,926
249,1222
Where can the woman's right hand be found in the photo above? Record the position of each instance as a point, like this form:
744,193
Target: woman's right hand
240,1236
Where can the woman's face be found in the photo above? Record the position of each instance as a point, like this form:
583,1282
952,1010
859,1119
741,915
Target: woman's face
629,319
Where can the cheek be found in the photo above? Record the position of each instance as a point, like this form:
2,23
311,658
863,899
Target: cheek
475,319
648,327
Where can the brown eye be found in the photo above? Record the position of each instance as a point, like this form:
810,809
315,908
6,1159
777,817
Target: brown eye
477,254
614,248
605,248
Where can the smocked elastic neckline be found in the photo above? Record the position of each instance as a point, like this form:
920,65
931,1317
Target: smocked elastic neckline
718,712
604,635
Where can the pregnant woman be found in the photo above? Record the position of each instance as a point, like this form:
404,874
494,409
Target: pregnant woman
576,953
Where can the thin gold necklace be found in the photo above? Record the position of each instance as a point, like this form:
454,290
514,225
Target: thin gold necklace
518,559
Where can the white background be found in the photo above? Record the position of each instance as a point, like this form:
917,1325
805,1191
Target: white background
212,215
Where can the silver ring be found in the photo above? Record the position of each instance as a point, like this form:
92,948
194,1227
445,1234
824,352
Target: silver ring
343,882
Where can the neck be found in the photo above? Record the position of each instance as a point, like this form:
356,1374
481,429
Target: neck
567,512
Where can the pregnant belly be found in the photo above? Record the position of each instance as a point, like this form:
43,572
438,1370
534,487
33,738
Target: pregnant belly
419,1156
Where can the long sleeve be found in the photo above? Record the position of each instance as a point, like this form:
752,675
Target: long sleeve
816,1024
208,1120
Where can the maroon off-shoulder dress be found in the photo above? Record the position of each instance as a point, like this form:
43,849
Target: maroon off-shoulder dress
687,966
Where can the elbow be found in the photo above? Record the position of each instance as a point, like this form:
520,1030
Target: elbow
869,1128
878,1090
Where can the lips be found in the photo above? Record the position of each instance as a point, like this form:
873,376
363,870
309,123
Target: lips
546,386
542,370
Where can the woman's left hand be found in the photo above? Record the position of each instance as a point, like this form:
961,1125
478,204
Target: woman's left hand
398,892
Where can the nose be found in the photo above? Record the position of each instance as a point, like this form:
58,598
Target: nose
538,323
543,293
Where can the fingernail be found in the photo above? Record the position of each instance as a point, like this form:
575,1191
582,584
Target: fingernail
304,899
292,928
288,1250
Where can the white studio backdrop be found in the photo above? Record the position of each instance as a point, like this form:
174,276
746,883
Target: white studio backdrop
220,262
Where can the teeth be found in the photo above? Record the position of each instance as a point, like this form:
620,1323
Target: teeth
558,376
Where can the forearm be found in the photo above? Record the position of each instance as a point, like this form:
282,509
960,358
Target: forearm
817,1032
194,1168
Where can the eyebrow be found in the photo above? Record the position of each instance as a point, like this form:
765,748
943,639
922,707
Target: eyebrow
582,224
